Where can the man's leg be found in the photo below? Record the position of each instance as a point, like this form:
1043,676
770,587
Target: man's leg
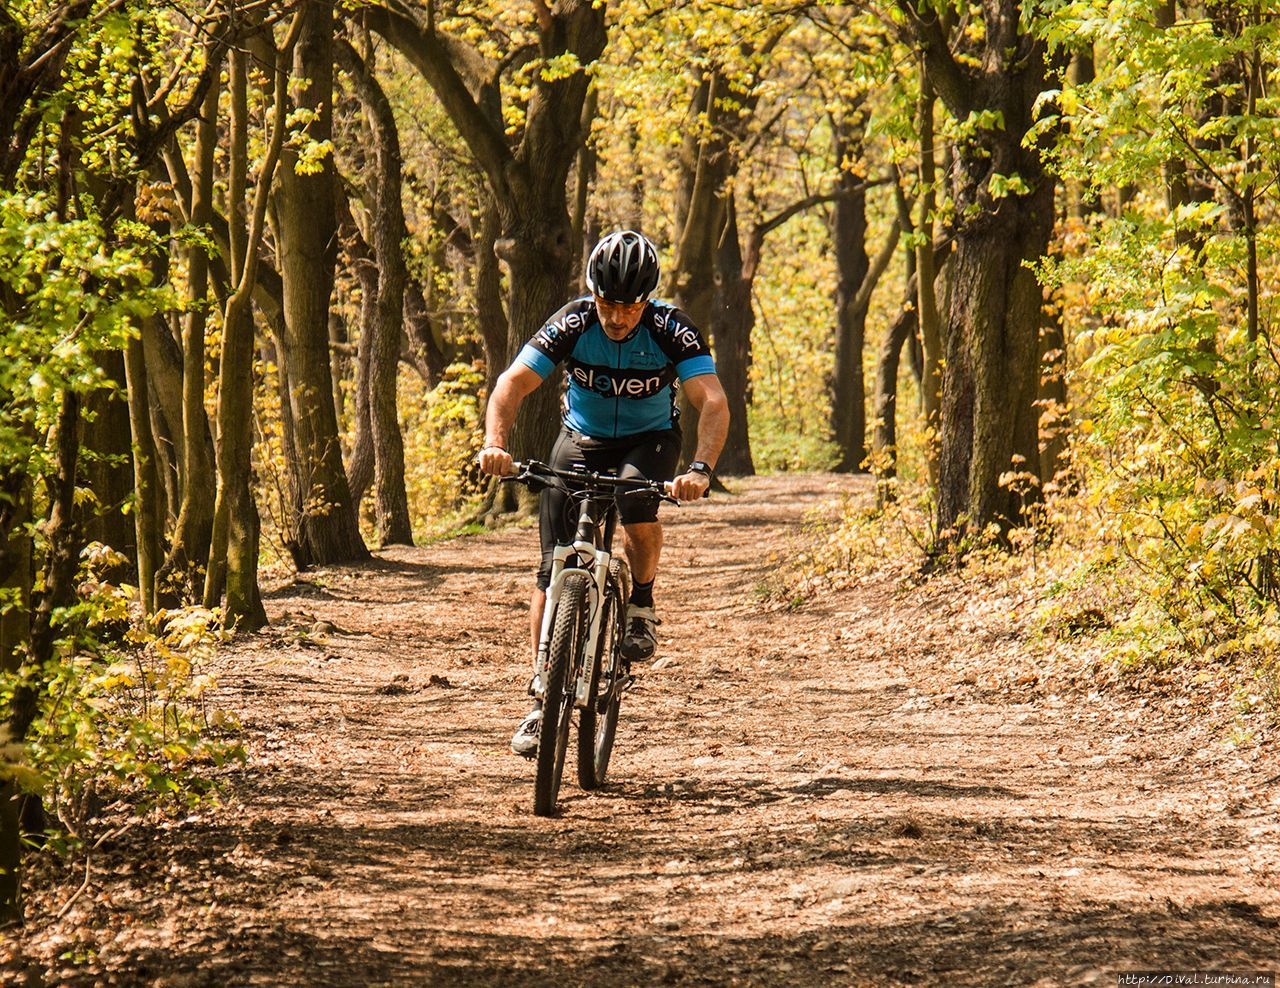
654,457
537,605
644,546
525,740
643,542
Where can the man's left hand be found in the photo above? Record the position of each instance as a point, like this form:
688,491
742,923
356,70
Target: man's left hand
690,486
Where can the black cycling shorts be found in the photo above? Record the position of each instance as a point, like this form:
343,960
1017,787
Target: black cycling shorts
651,455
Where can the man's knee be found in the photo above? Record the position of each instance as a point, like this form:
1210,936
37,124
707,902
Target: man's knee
646,533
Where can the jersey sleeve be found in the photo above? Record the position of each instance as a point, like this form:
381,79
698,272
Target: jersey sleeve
553,343
683,343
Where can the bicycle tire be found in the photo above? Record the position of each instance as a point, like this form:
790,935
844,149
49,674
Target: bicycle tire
598,721
568,635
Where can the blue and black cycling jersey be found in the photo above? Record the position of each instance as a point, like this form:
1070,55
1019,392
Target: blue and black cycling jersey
619,387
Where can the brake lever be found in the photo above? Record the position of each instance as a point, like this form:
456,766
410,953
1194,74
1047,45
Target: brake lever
667,496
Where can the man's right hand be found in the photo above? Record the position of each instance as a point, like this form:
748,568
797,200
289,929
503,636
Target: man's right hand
496,461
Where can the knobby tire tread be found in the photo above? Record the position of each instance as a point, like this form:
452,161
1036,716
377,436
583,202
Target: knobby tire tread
568,629
596,727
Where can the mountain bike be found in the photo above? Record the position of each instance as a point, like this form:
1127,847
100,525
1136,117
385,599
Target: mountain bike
580,663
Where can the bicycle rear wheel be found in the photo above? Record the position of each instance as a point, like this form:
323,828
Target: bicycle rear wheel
598,721
568,634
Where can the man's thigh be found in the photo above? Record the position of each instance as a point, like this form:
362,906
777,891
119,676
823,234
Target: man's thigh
654,458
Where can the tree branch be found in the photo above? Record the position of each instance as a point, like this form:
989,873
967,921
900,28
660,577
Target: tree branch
862,300
437,63
762,230
950,79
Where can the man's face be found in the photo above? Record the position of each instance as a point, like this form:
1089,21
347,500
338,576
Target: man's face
619,318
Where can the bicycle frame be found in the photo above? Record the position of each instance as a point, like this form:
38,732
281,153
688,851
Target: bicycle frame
593,547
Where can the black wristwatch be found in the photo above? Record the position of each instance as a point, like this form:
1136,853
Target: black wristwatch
702,467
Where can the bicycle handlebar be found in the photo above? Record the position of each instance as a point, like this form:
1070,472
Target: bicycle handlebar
534,470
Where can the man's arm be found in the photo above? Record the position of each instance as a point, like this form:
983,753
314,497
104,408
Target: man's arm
514,384
708,397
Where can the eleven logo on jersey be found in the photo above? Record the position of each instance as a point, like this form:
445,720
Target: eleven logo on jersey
610,383
685,336
571,322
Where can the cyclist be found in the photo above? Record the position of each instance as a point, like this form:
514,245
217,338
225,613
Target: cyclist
625,357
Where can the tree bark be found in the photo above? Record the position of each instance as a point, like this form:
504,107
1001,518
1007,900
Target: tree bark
422,346
359,464
148,506
325,529
492,318
732,321
183,571
15,633
105,462
992,349
236,530
585,174
529,182
885,443
705,169
853,263
852,294
387,235
849,397
928,319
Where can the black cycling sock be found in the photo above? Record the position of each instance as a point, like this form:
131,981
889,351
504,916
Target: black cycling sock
642,594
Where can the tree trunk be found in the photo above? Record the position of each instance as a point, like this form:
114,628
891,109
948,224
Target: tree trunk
540,260
64,541
148,507
236,530
929,320
706,166
528,183
885,445
1054,423
585,174
494,326
105,468
992,355
422,347
853,263
166,464
732,320
15,632
325,529
991,345
163,365
387,234
340,363
359,464
183,570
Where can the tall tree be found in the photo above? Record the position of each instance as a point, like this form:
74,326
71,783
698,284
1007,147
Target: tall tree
189,552
325,528
385,327
527,172
1003,199
233,558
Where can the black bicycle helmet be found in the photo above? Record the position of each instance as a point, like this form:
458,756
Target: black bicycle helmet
623,267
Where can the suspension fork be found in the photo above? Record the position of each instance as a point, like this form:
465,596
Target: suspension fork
585,547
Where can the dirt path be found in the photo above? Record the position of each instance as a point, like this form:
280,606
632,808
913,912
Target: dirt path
841,795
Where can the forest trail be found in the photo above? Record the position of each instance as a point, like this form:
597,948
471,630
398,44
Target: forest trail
851,793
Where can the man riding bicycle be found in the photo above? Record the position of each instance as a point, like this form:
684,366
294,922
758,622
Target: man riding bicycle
626,356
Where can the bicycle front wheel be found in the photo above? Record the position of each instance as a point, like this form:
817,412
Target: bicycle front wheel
599,719
569,629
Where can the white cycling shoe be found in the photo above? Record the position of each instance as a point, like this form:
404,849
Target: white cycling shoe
642,636
525,740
